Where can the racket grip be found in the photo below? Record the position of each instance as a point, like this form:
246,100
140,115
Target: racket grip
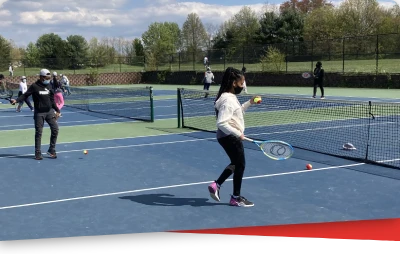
248,139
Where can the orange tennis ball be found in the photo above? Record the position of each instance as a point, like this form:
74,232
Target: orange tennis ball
257,100
85,152
309,166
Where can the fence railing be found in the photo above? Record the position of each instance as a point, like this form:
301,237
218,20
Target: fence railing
363,54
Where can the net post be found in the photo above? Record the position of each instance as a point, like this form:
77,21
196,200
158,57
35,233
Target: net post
178,104
151,105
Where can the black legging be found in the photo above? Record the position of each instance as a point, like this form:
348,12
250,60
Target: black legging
27,101
233,147
321,86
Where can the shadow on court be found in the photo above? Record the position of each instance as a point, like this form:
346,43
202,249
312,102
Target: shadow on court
170,200
16,156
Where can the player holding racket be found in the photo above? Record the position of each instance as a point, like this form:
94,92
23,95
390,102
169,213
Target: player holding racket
45,109
319,80
230,123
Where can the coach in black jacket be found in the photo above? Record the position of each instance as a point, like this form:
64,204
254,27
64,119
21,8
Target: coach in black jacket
45,109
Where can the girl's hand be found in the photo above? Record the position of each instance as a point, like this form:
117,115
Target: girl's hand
255,97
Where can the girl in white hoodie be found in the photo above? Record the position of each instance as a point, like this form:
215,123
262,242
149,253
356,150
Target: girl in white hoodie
230,124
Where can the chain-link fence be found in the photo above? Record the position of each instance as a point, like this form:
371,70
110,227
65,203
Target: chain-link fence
364,54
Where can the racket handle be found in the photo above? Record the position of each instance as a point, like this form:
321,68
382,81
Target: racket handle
248,139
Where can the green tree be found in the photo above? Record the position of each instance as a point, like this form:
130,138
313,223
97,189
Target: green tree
304,6
138,46
5,53
290,25
194,35
160,41
359,17
52,51
245,25
322,24
77,51
32,56
268,32
98,53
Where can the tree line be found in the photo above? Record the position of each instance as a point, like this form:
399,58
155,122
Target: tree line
295,22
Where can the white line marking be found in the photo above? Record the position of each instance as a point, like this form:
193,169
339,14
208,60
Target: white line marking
170,187
84,125
110,139
117,147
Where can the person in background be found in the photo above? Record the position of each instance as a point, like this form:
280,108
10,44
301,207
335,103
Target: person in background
244,82
205,62
11,70
65,83
208,79
23,87
45,110
319,80
2,83
57,90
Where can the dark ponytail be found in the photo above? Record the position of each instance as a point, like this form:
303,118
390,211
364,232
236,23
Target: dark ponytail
230,76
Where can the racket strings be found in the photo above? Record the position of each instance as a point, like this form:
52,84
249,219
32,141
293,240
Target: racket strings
277,150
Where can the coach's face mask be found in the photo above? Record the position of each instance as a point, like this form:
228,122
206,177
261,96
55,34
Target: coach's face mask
46,82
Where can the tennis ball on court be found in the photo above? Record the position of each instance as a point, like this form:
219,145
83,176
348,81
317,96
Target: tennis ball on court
257,100
85,152
309,166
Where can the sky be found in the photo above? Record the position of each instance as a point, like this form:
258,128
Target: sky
23,21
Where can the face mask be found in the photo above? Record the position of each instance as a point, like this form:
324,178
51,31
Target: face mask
46,82
238,89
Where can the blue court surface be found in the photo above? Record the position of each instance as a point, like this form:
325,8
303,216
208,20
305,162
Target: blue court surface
159,183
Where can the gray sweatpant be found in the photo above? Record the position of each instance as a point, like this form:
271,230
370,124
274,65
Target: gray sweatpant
40,118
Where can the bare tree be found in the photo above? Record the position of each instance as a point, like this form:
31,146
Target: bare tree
211,30
194,35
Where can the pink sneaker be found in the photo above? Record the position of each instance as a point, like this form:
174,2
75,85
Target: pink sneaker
214,191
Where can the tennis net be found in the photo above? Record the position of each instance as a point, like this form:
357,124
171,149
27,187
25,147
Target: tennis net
322,126
128,102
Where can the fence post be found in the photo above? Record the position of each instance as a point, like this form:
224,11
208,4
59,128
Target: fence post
286,58
344,39
179,107
312,54
194,61
224,58
377,53
243,56
151,105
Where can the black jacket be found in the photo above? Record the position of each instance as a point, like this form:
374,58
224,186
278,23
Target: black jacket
43,97
319,75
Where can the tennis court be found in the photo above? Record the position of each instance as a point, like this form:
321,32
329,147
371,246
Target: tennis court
150,176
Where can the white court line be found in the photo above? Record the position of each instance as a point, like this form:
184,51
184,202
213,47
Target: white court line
83,121
110,139
117,147
84,125
83,111
170,187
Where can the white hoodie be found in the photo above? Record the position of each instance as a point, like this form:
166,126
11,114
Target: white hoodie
230,114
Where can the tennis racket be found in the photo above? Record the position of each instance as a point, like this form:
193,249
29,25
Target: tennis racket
6,95
306,75
274,149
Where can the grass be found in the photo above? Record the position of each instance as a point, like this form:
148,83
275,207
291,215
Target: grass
350,66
